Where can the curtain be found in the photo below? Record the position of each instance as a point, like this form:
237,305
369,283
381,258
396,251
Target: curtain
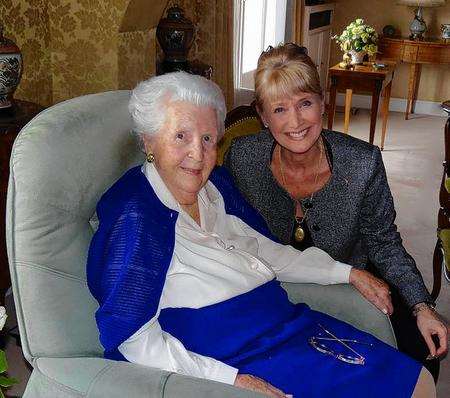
296,21
222,51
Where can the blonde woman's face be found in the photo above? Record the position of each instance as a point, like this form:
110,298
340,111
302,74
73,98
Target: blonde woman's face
185,149
294,121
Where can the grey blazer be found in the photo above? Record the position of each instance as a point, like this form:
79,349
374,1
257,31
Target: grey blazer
352,217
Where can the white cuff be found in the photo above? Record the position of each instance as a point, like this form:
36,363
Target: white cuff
223,374
340,273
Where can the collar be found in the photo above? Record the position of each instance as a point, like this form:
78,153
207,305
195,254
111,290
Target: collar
209,197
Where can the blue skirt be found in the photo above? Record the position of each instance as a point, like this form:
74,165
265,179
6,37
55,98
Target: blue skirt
263,334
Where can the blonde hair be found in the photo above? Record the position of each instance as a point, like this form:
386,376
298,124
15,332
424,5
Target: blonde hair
285,70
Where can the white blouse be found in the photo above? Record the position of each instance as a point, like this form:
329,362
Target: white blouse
213,262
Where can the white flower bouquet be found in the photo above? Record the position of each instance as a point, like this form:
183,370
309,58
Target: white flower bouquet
358,37
5,381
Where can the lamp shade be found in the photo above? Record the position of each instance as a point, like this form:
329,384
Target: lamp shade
422,3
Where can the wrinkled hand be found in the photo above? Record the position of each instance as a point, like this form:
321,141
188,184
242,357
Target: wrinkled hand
429,324
256,384
373,289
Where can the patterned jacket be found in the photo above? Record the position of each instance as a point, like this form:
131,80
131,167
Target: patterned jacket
352,217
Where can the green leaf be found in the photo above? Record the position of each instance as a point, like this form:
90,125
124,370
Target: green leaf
1,394
7,381
3,363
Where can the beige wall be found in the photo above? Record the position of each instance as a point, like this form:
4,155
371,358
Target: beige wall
435,80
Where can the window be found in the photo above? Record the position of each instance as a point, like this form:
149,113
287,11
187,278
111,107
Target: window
258,24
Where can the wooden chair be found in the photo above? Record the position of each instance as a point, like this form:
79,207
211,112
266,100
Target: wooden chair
240,121
441,256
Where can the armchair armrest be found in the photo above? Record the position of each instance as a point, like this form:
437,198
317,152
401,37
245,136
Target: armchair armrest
99,378
345,303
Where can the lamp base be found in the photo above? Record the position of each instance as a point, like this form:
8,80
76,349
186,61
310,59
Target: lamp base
417,26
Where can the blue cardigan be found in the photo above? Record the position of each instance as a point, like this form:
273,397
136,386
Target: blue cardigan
131,251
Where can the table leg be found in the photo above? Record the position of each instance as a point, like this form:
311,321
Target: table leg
385,111
374,110
414,72
416,87
332,104
348,105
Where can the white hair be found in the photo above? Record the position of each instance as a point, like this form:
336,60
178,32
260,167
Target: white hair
148,102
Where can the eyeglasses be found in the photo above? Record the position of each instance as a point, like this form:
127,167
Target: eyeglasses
320,344
295,48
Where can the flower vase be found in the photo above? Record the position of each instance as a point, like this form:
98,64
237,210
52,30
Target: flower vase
357,57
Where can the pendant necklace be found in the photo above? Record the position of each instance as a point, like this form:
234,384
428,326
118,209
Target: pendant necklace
299,232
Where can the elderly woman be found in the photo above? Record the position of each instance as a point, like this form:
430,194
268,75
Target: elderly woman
325,189
186,272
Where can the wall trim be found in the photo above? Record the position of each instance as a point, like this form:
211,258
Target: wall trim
395,104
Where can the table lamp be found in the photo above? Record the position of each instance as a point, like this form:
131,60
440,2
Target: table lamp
418,26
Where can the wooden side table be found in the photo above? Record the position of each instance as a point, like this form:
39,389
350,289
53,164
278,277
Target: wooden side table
362,78
11,122
416,53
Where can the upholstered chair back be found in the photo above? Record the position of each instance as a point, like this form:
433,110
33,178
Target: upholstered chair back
61,163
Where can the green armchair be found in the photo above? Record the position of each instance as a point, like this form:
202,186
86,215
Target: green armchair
61,163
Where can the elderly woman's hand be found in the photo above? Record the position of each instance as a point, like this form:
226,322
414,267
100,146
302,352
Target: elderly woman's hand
256,384
430,324
373,289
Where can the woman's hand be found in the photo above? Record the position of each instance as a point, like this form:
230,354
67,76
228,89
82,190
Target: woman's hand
430,324
373,289
256,384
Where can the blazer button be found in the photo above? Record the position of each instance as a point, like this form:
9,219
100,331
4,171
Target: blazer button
316,228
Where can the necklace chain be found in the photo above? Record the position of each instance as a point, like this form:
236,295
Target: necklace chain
283,179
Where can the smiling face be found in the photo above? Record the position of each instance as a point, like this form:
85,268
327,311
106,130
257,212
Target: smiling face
295,121
185,149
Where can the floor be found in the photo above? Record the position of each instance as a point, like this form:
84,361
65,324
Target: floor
413,156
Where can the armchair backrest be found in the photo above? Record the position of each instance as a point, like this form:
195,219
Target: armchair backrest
61,163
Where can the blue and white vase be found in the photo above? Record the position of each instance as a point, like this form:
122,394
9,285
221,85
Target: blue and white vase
10,70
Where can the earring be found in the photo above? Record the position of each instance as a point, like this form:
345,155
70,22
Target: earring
150,157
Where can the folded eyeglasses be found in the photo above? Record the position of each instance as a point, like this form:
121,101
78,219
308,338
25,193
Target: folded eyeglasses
321,344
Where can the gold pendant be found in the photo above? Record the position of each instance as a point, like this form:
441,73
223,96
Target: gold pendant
299,234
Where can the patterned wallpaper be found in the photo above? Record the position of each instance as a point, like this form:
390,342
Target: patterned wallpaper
137,57
84,43
27,23
72,47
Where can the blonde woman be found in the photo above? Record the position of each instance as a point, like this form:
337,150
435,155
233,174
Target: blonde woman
329,190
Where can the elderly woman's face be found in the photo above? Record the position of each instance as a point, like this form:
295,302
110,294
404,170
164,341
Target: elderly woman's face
185,149
295,121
